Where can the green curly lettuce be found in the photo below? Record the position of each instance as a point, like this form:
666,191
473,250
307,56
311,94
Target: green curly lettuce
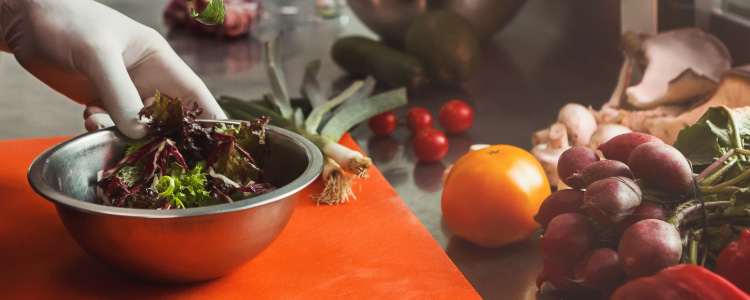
185,189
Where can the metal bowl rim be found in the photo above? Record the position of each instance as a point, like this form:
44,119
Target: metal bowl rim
41,187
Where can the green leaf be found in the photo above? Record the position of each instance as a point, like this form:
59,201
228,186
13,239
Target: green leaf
367,87
718,120
346,118
236,167
131,175
136,145
251,136
699,143
299,118
272,55
717,131
741,119
316,115
213,14
311,88
166,114
223,128
251,110
185,189
741,199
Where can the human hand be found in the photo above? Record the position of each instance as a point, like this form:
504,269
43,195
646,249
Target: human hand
100,58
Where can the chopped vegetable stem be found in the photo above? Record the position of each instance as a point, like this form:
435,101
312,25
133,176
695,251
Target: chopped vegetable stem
742,176
693,254
313,120
714,165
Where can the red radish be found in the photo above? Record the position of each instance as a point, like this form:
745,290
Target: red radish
661,166
611,199
600,269
600,170
568,236
574,160
619,147
649,246
647,210
558,275
559,202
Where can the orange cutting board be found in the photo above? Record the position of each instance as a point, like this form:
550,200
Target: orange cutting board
372,247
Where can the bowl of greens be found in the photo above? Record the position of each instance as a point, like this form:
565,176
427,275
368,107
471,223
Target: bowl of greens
188,203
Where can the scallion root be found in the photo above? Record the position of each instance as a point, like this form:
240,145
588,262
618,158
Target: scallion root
360,166
351,161
338,187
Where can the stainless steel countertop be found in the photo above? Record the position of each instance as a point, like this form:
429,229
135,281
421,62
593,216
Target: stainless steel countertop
546,57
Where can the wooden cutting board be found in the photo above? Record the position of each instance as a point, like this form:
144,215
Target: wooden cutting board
373,247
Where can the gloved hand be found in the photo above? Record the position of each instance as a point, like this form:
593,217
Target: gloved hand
100,58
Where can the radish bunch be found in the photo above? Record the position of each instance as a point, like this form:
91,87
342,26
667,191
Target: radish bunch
603,231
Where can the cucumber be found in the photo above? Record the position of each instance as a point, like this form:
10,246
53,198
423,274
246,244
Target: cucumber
361,56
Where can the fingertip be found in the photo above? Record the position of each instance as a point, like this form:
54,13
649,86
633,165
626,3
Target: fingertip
96,121
91,110
134,129
214,115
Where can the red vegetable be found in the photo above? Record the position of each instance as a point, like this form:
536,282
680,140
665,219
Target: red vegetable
241,16
383,123
648,247
599,269
559,202
456,116
619,147
734,262
661,166
680,282
430,145
561,277
418,118
572,161
567,238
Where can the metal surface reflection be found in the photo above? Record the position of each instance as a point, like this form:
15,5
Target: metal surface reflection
391,18
208,56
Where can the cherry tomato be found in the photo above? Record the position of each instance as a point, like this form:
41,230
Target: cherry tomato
430,145
491,195
383,123
456,116
418,118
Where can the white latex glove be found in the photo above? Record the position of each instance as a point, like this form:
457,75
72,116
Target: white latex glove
100,58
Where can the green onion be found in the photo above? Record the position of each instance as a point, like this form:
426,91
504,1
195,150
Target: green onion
326,123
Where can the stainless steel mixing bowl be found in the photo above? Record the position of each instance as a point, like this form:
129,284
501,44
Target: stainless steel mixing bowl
171,245
391,18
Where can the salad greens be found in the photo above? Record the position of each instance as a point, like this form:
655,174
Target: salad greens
181,164
212,14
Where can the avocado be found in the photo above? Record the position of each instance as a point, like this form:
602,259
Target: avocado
363,56
447,46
